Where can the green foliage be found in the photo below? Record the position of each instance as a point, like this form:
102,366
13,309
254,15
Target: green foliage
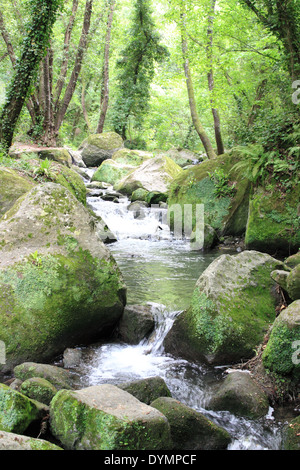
44,169
136,68
223,187
275,156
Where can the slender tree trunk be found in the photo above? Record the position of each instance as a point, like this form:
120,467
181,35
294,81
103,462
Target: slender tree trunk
64,65
190,88
105,87
61,111
210,77
84,111
256,106
49,136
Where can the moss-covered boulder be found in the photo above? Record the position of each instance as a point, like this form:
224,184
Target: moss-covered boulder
17,411
11,441
281,354
57,376
191,430
154,175
293,283
38,389
232,308
57,154
104,417
12,186
111,172
293,260
223,192
274,223
59,285
240,395
139,194
147,390
99,147
132,158
291,437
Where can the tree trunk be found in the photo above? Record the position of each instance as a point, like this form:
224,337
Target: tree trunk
64,65
34,45
49,136
77,67
256,106
210,77
105,87
190,88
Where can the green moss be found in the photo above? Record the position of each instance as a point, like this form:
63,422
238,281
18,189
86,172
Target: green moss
43,302
279,352
80,426
273,224
222,210
38,389
291,435
111,172
16,410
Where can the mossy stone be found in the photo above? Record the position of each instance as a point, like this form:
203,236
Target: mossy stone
11,441
291,438
105,417
147,390
293,283
111,172
16,410
227,213
232,308
38,389
66,289
240,395
280,355
12,186
273,223
191,430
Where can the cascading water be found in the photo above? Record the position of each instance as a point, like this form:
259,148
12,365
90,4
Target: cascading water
162,272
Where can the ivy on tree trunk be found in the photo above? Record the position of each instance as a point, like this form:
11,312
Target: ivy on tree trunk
35,44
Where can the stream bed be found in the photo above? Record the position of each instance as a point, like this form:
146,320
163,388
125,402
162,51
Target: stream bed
162,271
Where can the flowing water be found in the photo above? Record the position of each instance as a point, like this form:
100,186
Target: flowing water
161,271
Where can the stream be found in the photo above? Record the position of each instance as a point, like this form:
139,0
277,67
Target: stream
162,271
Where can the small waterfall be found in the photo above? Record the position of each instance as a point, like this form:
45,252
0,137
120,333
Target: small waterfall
162,272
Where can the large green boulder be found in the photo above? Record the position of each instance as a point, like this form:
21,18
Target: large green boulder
104,417
99,147
12,186
240,395
59,285
274,224
17,411
232,308
154,175
191,430
132,158
222,191
11,441
111,172
282,352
